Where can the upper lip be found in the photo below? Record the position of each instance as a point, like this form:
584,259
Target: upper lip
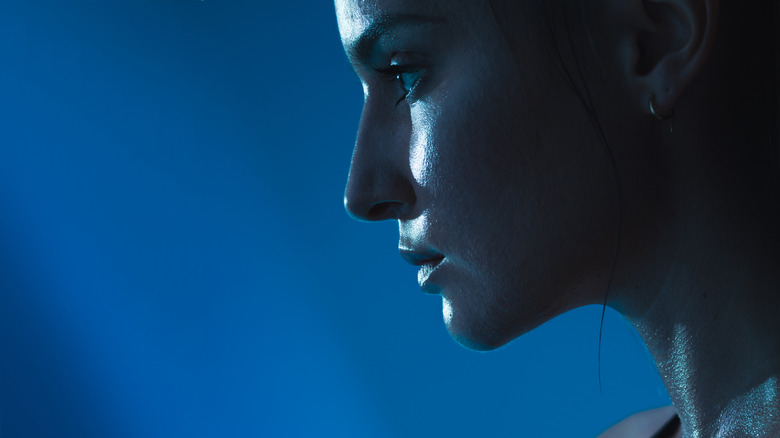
419,258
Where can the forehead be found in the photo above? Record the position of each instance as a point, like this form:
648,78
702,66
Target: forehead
355,17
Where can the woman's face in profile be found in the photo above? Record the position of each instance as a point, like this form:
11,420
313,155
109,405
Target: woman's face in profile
487,159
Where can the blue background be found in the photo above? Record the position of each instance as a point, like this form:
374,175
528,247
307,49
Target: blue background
175,259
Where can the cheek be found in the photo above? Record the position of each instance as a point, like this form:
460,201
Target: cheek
466,133
523,200
424,156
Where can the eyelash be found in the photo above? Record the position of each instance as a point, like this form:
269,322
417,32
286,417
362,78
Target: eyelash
396,72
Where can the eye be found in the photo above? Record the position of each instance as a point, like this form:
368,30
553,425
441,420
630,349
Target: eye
406,77
408,80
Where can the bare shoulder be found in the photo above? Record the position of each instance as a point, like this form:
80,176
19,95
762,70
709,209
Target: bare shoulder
642,425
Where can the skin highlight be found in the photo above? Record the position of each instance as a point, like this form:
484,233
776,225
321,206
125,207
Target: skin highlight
519,157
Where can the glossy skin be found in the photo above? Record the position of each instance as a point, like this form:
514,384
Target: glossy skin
498,147
477,166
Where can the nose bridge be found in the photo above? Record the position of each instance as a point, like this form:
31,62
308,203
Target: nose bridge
379,186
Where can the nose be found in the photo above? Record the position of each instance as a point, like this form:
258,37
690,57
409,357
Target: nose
379,185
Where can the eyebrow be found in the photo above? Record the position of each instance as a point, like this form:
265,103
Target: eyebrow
364,46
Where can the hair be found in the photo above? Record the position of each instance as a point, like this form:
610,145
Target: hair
506,14
754,25
774,115
759,22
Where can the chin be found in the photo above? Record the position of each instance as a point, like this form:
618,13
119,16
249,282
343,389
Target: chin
479,327
475,344
474,335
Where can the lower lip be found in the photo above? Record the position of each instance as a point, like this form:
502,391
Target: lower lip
424,277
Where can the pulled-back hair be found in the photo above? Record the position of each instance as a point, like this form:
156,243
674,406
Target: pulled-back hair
755,24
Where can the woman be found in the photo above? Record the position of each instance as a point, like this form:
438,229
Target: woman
544,155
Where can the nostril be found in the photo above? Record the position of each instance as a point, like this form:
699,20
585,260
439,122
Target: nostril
385,210
375,195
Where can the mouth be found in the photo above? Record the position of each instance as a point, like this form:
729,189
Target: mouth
427,261
420,258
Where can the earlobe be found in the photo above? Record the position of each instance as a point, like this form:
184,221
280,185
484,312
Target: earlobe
672,40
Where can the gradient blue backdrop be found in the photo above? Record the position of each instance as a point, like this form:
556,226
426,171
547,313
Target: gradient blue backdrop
175,260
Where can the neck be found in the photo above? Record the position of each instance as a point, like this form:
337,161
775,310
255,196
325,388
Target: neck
708,311
719,365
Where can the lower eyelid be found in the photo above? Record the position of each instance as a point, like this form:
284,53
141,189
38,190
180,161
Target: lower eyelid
421,79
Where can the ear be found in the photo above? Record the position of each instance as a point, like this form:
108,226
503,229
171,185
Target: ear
667,44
